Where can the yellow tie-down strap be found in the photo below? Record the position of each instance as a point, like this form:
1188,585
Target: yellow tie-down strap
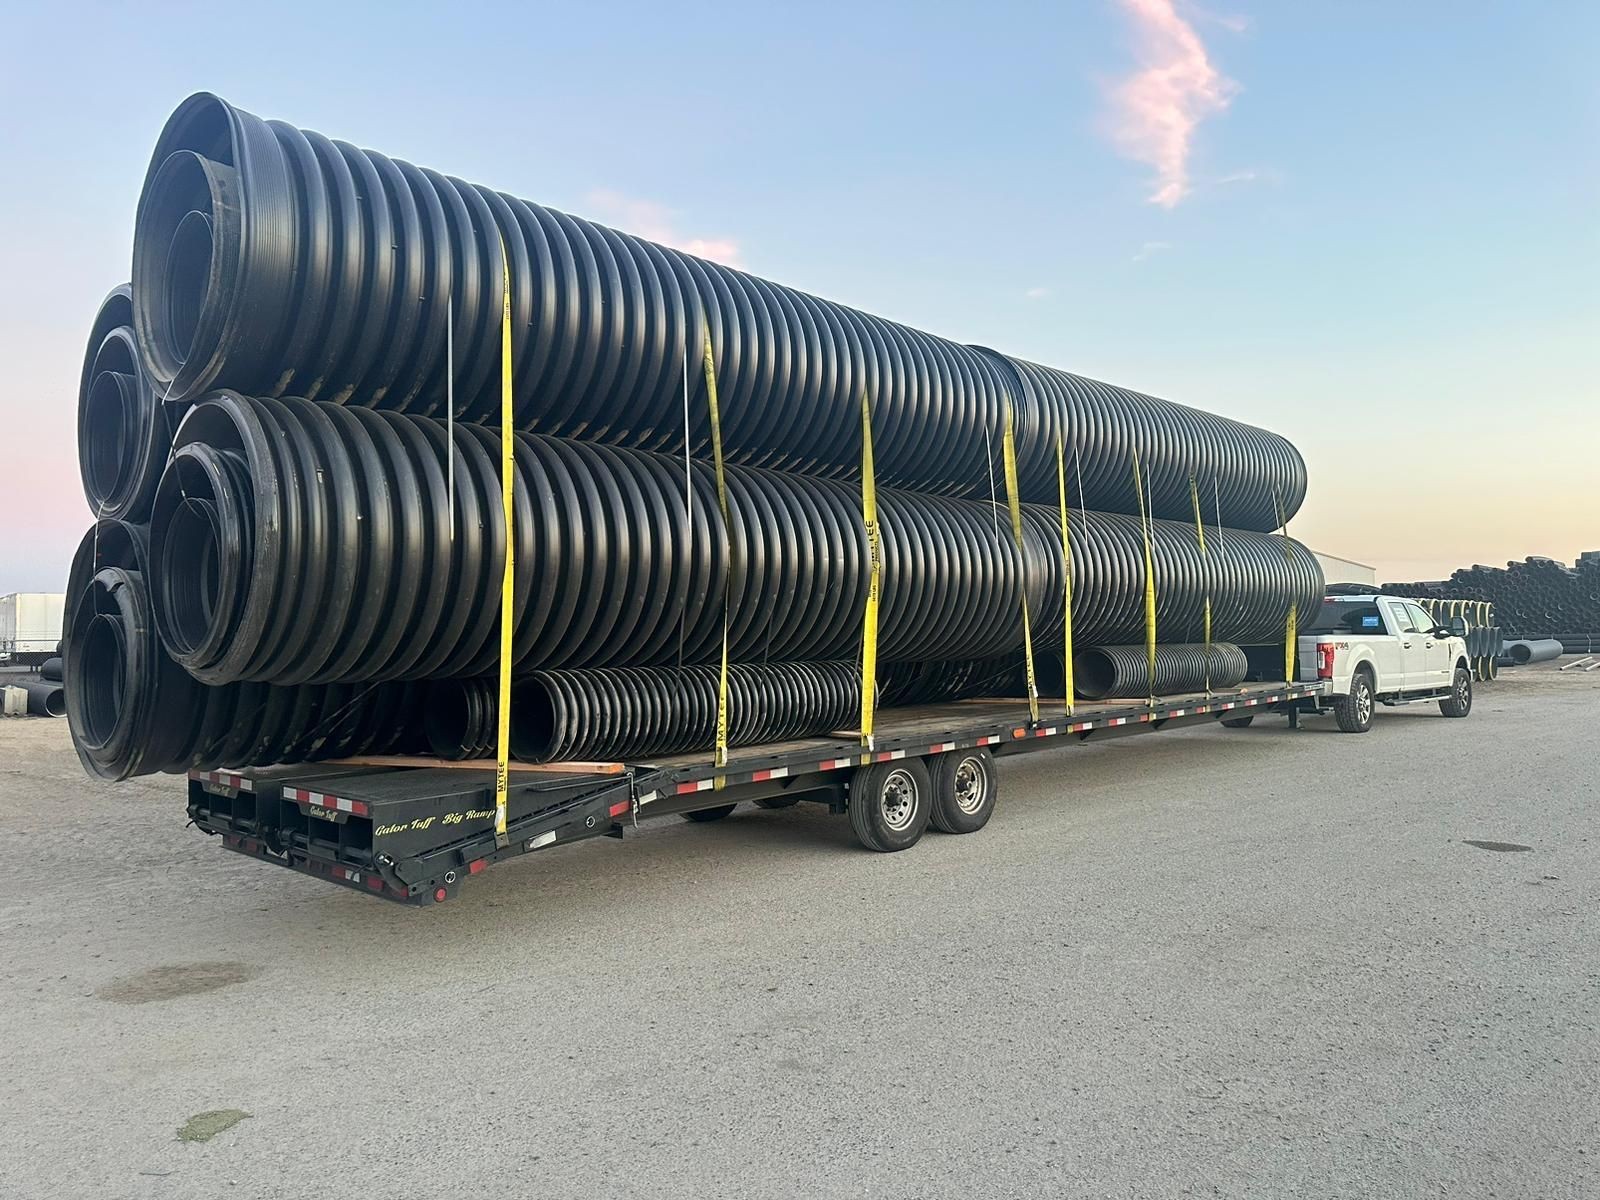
502,765
869,620
1291,624
1205,569
720,756
1009,453
1066,573
1149,579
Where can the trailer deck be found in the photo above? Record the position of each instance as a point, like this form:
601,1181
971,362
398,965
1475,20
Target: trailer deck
414,834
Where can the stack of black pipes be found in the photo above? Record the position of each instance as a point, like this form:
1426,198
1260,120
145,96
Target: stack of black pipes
301,539
1534,598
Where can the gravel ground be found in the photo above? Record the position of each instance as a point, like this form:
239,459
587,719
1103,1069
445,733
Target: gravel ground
1264,962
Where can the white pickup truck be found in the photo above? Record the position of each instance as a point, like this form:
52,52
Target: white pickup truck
1388,650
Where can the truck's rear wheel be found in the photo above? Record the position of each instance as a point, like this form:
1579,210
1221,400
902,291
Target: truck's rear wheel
710,814
890,804
964,783
1354,711
1459,702
1237,722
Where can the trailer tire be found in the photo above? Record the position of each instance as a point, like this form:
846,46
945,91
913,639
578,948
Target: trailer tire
964,790
1459,702
1354,711
1237,722
703,815
784,800
890,804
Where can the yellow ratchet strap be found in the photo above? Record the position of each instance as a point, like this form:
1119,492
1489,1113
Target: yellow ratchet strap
1009,451
1291,638
869,622
1066,573
502,764
720,757
1205,567
1149,579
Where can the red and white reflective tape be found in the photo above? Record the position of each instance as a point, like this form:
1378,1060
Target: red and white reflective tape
699,785
357,808
1115,721
773,773
1080,727
942,748
834,764
888,755
992,740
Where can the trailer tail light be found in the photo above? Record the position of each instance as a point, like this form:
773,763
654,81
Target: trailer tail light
1324,660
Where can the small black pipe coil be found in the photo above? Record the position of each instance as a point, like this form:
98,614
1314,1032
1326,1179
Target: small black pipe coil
273,261
1123,672
271,510
670,710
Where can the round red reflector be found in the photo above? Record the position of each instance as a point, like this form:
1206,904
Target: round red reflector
440,895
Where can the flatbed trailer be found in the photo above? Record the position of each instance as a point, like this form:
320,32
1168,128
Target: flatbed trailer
414,834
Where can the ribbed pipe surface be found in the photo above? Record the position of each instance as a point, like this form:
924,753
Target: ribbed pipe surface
274,509
274,261
133,711
1123,672
629,712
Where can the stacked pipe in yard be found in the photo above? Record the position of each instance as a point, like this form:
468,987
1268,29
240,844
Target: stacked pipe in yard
299,553
1537,598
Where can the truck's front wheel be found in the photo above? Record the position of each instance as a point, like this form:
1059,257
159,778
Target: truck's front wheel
1459,702
890,804
1354,711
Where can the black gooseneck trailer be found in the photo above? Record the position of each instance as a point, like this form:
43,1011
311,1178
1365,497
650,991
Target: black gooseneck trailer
416,834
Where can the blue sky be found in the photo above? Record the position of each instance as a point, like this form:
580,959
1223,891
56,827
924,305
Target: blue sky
1378,237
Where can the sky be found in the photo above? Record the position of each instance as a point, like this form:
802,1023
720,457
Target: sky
1371,227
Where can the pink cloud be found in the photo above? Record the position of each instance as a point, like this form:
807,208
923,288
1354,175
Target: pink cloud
654,222
1158,107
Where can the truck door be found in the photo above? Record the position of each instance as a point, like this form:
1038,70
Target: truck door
1401,665
1436,664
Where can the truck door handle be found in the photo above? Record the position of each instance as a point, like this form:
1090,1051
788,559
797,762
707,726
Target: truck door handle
1407,645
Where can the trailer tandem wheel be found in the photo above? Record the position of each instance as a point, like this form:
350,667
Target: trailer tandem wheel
710,814
890,804
965,786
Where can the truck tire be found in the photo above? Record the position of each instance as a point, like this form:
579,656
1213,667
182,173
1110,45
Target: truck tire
890,804
784,800
964,790
1237,722
710,814
1459,702
1354,711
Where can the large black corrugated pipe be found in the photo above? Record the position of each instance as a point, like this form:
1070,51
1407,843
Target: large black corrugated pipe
50,669
271,509
133,711
934,682
459,718
277,262
123,432
1123,672
45,699
629,712
1522,651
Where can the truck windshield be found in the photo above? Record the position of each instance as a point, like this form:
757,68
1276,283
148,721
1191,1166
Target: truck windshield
1347,616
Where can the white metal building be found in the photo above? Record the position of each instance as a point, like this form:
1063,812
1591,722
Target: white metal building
30,622
1345,570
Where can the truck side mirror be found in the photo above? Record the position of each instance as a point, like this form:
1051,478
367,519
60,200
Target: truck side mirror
1457,627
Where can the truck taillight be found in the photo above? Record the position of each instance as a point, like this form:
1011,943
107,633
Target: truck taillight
1324,660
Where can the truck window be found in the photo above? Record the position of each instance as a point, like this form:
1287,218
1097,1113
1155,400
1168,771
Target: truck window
1420,620
1348,616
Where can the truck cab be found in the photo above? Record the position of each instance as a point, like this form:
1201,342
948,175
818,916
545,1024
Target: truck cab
1384,650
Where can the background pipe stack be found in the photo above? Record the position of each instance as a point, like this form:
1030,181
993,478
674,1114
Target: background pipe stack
299,530
1535,598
